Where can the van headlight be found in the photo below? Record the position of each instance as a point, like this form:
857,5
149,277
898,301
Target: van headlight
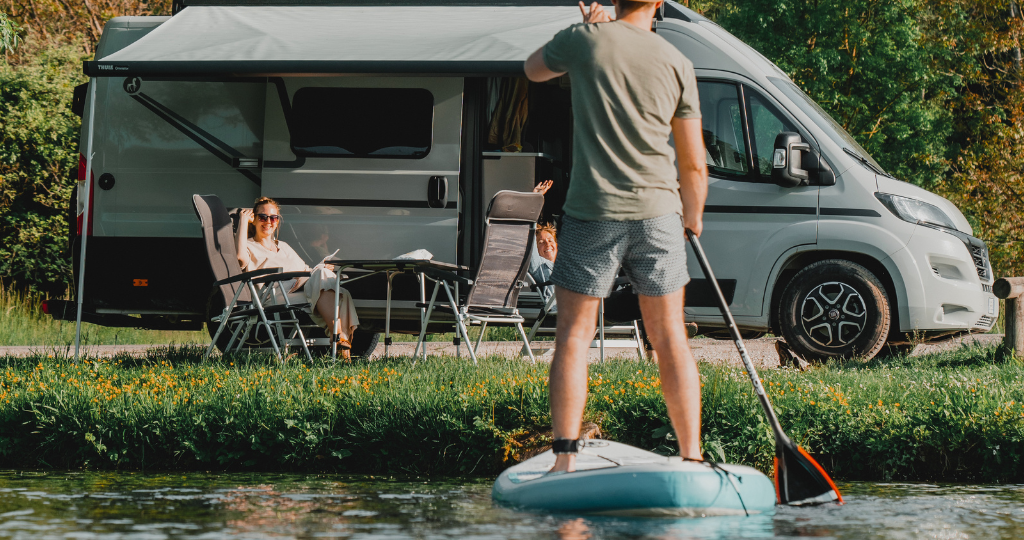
915,211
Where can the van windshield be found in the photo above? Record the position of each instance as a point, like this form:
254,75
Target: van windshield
825,122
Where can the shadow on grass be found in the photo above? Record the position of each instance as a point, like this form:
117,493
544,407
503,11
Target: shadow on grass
969,355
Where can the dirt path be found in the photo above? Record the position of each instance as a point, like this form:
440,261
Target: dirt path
762,351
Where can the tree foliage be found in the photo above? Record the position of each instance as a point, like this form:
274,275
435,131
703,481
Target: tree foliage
58,22
932,89
866,62
38,166
9,37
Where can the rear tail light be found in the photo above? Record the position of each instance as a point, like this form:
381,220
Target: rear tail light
46,307
81,195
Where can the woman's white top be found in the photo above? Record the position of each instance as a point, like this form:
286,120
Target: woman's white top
285,258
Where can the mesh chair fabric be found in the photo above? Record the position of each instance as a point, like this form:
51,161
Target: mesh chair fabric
512,217
219,239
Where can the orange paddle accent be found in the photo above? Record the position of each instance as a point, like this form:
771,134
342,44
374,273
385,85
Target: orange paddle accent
775,479
820,470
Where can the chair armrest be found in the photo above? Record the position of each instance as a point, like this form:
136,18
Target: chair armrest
245,276
444,275
537,286
283,276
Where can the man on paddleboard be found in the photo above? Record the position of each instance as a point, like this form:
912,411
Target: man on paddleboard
631,89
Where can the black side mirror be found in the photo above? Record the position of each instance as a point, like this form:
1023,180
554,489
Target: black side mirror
787,160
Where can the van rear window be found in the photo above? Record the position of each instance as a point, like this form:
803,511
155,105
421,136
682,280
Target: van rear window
362,122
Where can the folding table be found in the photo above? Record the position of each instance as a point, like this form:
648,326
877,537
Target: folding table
389,268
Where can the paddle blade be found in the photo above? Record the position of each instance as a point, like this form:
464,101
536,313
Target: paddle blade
799,480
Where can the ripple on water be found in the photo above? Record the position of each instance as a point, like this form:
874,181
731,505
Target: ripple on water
201,506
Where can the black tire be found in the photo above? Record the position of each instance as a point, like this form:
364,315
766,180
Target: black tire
834,308
364,343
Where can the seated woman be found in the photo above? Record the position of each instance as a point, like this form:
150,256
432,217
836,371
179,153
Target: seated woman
258,247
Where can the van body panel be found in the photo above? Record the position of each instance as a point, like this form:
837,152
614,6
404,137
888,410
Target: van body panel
699,49
160,162
367,208
749,222
747,227
865,237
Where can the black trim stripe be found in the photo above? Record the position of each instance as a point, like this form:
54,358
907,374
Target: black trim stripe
858,212
371,203
730,209
250,68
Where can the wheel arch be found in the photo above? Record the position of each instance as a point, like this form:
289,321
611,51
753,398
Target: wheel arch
800,260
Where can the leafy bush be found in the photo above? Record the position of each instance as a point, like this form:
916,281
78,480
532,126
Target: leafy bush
951,416
38,167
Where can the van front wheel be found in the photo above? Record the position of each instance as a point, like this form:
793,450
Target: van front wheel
834,308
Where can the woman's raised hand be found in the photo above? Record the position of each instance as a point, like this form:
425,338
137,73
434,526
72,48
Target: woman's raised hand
543,187
245,215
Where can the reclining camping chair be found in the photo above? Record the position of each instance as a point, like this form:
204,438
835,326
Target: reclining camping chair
510,228
248,297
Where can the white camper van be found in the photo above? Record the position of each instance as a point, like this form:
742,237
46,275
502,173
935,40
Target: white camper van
374,126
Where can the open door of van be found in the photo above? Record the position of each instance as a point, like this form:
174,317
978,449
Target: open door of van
365,165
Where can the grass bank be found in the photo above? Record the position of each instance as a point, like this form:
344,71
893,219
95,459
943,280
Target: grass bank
952,416
22,322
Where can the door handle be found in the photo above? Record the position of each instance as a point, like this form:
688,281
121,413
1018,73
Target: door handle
437,192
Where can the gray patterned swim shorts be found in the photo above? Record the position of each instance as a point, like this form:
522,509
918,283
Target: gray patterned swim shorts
652,252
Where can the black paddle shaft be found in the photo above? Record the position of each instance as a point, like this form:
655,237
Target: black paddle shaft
723,306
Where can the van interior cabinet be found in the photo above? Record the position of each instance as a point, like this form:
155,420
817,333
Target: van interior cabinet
513,171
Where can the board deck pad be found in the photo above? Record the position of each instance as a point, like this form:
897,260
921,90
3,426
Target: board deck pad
617,479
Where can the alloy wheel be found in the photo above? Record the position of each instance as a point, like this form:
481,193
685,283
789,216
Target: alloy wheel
833,314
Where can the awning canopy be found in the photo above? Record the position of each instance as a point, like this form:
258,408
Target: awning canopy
241,41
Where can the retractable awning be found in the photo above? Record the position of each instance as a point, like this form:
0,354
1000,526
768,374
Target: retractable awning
238,41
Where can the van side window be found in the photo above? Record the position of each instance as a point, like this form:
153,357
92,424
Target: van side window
766,122
362,122
722,122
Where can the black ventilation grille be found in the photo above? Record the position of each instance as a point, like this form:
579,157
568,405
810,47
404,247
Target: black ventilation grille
980,256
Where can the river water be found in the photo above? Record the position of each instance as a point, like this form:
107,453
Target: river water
158,506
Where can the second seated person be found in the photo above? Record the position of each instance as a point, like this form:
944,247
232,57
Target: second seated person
258,247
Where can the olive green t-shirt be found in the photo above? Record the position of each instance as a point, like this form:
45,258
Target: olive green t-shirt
627,84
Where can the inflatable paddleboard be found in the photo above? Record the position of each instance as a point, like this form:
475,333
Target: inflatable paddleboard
617,479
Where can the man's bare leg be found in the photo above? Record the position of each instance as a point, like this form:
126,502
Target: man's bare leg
567,388
680,381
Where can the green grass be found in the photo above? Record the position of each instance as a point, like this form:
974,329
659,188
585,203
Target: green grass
951,416
22,322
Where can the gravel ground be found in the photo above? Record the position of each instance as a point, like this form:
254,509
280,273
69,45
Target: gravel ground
762,351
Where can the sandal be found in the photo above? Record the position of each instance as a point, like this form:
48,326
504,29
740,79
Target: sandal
345,346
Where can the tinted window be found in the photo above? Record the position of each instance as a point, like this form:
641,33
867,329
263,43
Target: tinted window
362,122
766,122
723,129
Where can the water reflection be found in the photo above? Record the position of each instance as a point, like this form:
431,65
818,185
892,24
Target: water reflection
115,506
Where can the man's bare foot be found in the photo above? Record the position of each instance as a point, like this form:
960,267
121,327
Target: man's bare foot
564,463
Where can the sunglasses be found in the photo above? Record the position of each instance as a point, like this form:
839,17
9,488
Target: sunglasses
273,218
